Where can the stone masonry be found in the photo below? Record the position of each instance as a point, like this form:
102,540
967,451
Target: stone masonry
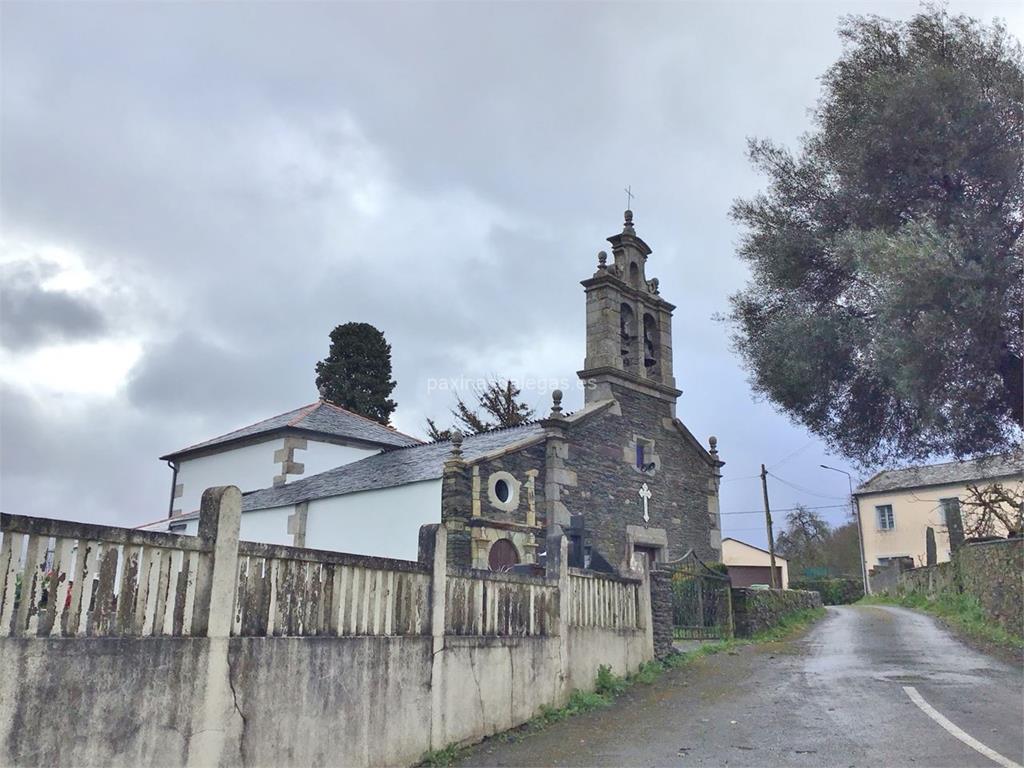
755,610
661,613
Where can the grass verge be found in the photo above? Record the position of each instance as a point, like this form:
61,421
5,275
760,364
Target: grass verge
608,686
962,612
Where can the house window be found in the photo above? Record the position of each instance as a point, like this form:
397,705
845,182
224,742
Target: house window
639,455
886,522
945,507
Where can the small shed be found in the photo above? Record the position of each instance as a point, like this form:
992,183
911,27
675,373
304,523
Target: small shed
749,565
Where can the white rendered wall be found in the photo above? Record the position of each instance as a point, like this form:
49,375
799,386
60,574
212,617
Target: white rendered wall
253,467
319,457
249,467
385,522
265,525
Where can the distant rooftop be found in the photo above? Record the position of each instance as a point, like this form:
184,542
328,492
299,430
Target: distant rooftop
385,470
949,473
317,419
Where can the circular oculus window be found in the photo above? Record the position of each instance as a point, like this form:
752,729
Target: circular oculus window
501,490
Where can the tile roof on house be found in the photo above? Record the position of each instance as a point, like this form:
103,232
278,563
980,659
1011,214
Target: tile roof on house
389,469
320,418
949,473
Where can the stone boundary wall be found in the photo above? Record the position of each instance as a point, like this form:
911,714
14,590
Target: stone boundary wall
335,676
928,580
989,571
755,610
993,572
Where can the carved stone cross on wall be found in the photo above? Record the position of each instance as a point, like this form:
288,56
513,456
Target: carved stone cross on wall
645,494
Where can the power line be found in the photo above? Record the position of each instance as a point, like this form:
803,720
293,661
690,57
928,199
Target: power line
737,479
787,509
805,490
789,456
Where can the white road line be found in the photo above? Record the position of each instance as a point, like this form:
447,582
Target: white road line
965,737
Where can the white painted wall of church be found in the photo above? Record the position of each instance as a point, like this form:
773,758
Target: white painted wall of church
384,522
266,525
249,467
319,457
252,467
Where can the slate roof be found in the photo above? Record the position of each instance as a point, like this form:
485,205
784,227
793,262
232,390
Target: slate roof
949,473
386,470
318,418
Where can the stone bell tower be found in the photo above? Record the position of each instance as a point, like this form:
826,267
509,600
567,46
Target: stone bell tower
629,325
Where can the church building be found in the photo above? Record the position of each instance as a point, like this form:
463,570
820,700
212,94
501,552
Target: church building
623,477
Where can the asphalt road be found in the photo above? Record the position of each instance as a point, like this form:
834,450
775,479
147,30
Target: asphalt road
852,692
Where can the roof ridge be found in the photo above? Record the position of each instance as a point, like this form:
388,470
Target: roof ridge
304,412
372,421
986,457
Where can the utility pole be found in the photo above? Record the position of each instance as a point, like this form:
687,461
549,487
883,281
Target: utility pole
855,511
768,524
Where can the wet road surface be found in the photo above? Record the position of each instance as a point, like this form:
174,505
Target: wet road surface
867,686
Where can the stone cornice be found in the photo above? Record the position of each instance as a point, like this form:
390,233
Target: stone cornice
606,278
630,380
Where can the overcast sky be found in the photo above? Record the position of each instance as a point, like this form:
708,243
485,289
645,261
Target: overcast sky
193,195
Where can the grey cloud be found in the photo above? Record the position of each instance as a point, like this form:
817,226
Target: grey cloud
255,175
31,316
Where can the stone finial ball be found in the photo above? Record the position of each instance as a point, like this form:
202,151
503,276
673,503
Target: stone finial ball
713,442
456,437
602,258
629,216
556,396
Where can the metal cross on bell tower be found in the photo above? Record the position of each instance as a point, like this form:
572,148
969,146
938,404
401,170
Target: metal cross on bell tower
629,197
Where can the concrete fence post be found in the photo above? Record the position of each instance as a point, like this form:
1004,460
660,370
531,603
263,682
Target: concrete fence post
438,593
220,517
219,715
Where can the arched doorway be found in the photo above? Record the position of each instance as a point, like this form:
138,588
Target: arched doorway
503,555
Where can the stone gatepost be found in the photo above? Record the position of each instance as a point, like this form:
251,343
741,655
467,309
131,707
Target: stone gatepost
661,613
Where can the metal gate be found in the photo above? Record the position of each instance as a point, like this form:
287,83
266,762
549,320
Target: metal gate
701,600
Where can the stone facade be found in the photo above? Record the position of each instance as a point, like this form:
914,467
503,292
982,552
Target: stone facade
755,610
682,489
624,470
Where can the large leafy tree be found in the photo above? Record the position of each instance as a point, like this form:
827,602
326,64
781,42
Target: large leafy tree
804,541
497,405
884,310
356,374
809,542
